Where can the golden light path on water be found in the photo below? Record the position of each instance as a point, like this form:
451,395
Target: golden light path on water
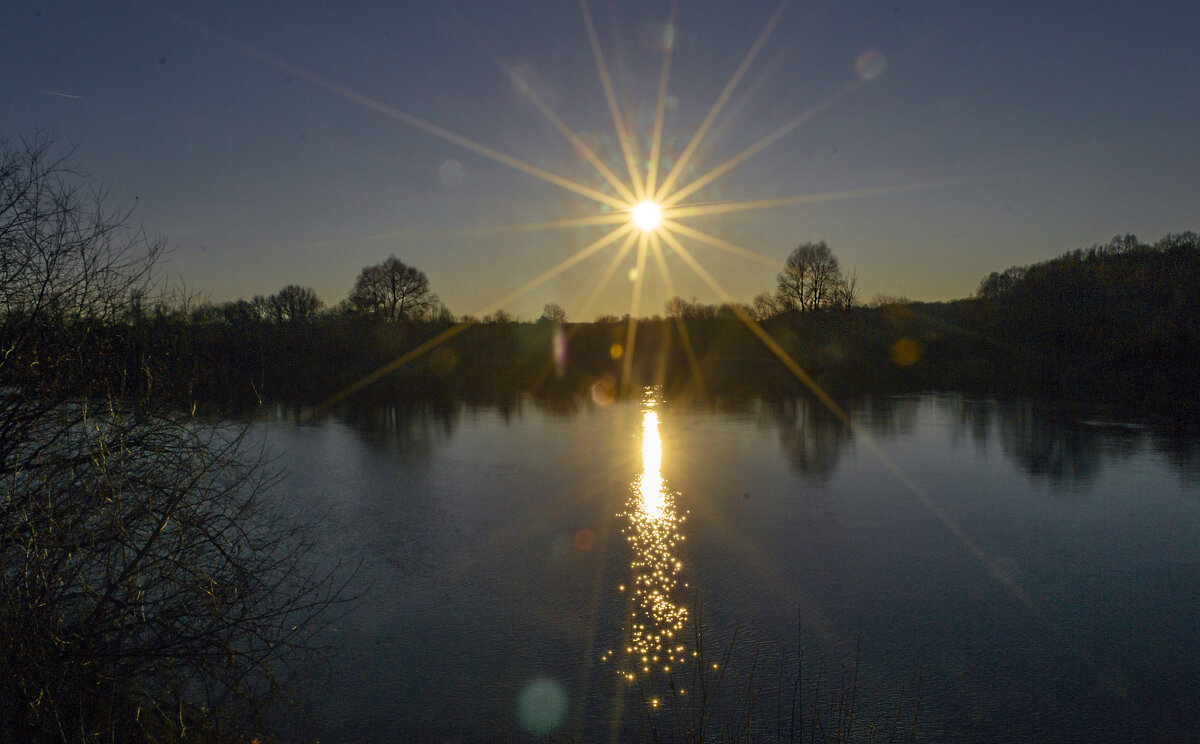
656,619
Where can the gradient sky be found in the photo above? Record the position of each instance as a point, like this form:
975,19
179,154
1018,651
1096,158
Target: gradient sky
252,137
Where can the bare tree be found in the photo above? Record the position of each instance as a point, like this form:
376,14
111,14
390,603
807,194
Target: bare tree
810,277
676,307
393,291
766,305
553,313
148,588
845,292
150,584
439,313
294,303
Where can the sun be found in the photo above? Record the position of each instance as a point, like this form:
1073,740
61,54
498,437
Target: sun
647,216
645,197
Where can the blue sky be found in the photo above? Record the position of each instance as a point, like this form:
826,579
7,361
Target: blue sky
250,134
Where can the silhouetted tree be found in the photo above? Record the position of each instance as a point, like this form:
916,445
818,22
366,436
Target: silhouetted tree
392,290
886,300
845,292
440,313
766,305
553,313
998,283
294,303
810,277
206,313
238,312
1184,241
676,307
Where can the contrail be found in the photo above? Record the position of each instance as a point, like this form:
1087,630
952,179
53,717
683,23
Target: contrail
61,95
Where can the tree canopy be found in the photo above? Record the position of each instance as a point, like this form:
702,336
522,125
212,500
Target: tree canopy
294,303
392,290
812,278
553,313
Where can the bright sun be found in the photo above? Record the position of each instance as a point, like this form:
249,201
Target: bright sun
647,216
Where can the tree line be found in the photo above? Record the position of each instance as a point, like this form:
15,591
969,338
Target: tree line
390,290
811,279
1027,330
1108,323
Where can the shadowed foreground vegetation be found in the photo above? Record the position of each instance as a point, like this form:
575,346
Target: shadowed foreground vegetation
151,589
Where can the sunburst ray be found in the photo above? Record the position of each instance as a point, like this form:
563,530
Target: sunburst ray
745,205
757,329
935,509
698,137
608,218
529,92
635,307
724,245
607,275
402,116
692,187
378,374
685,338
610,94
660,107
580,255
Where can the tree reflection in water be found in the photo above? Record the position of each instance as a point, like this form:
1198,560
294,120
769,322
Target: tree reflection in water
810,434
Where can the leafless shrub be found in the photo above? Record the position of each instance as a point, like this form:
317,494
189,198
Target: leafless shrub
150,588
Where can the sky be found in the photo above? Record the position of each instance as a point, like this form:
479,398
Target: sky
928,143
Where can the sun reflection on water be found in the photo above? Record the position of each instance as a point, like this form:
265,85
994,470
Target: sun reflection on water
649,485
656,620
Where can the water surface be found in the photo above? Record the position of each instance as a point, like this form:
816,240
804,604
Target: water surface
1038,571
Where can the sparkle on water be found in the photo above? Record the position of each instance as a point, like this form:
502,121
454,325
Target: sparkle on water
656,620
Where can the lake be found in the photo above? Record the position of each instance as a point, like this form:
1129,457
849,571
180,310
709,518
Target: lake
1036,572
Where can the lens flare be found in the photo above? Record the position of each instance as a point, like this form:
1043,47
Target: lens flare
542,706
870,64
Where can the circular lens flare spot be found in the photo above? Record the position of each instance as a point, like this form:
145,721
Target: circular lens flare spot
870,64
451,174
542,706
604,390
584,540
647,215
905,352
